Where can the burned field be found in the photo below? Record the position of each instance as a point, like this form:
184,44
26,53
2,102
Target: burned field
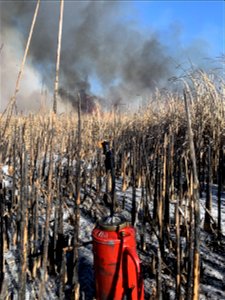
54,187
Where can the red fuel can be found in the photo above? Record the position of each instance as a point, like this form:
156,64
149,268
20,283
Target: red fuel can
116,263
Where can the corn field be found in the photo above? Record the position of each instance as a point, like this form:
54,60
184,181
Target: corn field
52,173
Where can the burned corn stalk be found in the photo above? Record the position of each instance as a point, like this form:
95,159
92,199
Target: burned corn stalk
196,258
154,164
75,280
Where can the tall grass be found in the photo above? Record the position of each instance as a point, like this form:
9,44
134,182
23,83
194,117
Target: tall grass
151,153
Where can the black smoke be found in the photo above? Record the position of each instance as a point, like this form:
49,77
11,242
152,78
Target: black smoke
99,41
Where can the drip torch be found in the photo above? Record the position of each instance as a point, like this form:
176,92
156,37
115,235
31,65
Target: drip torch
116,263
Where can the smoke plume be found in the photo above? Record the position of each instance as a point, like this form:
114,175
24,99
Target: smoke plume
99,44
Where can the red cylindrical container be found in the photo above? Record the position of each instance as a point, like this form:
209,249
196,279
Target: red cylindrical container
116,263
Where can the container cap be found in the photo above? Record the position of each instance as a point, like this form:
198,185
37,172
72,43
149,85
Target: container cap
115,223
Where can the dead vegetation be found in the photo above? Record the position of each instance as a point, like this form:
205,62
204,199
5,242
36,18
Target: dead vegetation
54,161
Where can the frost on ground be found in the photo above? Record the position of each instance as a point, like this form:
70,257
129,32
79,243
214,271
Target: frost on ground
212,252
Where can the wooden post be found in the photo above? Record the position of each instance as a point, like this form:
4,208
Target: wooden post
56,88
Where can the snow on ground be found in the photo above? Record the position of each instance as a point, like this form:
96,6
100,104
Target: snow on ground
212,253
214,211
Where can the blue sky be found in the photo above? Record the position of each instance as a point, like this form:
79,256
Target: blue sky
108,42
193,20
192,30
